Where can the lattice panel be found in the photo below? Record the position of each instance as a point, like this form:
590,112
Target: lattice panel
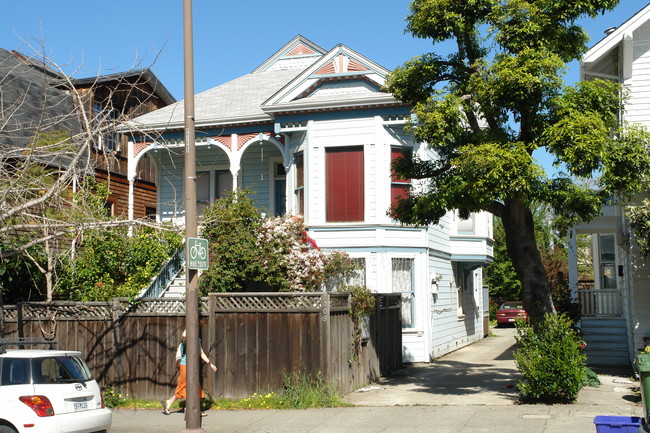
156,306
70,311
269,303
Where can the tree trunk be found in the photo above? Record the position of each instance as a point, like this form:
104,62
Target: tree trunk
522,248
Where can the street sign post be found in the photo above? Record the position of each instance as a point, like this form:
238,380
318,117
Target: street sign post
197,254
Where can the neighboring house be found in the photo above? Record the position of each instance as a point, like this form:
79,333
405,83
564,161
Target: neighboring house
312,133
615,304
34,99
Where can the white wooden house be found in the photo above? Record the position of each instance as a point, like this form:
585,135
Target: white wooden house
615,305
312,133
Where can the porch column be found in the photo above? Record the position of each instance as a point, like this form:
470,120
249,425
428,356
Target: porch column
573,263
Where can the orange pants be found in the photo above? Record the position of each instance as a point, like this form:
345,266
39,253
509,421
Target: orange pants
181,388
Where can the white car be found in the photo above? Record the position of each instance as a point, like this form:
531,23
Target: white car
48,391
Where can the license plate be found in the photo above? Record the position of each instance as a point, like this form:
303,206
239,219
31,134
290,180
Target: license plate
81,406
511,320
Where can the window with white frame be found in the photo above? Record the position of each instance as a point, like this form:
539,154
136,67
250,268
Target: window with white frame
344,184
399,187
104,119
211,185
299,190
467,226
356,277
459,279
403,281
279,187
608,261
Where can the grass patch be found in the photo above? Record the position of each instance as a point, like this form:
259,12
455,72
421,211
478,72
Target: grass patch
300,392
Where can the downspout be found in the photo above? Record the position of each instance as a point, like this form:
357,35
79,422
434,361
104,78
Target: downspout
131,177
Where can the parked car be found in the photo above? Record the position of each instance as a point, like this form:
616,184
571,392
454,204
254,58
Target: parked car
510,311
47,391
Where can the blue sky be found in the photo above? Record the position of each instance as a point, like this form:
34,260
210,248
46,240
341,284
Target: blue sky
230,38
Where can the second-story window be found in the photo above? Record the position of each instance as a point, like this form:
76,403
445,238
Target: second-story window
104,121
344,184
399,187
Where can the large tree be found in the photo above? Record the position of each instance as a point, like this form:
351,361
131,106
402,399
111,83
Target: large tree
496,100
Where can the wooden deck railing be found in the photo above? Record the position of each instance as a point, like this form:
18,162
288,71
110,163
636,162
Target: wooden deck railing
599,302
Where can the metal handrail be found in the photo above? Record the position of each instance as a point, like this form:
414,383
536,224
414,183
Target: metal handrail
166,274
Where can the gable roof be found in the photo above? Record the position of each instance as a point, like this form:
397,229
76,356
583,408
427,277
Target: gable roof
299,76
616,36
140,76
30,103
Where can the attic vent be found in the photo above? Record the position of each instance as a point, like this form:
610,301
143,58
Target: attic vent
610,30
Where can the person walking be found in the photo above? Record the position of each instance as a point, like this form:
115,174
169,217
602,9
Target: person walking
181,362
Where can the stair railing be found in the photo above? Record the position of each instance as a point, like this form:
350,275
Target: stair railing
166,274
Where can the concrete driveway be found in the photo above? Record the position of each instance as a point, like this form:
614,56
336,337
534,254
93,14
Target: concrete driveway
483,373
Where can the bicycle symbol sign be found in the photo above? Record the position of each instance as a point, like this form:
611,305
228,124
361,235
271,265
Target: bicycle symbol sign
197,253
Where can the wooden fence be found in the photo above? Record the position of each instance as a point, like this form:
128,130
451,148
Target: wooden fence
253,338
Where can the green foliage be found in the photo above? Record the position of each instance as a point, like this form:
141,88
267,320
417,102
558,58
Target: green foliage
20,279
362,304
302,391
113,264
500,275
113,396
639,217
487,108
230,226
251,253
551,360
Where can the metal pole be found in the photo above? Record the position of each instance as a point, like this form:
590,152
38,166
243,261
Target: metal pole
193,407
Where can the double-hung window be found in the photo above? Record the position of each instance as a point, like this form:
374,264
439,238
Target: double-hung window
399,187
104,120
403,276
299,190
211,185
344,184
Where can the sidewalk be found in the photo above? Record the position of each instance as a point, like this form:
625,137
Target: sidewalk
470,390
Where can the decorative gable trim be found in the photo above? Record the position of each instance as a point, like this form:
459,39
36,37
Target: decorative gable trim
340,62
300,52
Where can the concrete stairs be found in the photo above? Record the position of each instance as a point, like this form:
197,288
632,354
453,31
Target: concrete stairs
606,340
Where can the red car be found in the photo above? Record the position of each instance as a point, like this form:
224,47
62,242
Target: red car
510,311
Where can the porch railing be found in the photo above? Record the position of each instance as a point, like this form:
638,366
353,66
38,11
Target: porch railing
600,302
168,271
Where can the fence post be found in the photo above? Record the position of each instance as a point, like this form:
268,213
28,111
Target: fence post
212,334
116,318
325,358
19,311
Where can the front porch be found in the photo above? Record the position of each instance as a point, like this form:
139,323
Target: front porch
600,284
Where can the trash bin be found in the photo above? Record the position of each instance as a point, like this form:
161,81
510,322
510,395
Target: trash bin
643,367
617,424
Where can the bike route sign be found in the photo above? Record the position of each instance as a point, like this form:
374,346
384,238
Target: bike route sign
197,254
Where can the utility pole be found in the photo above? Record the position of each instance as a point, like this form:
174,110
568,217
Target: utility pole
193,407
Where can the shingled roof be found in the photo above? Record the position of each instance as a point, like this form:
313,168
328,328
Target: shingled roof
29,103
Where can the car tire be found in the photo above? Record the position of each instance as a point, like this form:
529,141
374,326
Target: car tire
7,429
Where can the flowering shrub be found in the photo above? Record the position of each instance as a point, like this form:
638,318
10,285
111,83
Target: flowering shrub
288,247
274,252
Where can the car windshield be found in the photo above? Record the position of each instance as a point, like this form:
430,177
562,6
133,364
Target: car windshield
60,369
512,306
